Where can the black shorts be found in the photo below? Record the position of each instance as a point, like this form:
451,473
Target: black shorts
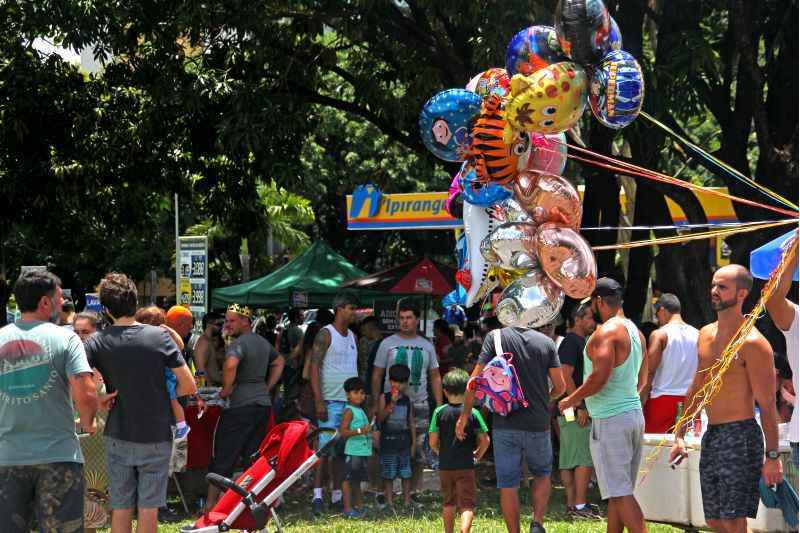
355,468
53,491
238,435
731,458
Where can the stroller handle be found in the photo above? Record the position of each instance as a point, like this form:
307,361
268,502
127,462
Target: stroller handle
224,483
325,447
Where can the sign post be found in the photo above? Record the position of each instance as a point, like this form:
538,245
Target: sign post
193,275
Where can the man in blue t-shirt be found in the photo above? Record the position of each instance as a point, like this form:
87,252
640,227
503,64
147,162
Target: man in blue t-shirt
43,368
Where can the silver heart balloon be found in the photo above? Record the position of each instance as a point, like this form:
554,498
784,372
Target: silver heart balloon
530,301
509,246
510,210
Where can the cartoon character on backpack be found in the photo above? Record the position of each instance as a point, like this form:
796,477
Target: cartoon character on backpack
497,386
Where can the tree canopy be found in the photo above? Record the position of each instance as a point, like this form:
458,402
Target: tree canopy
257,112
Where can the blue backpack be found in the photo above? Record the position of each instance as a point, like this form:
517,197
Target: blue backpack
497,387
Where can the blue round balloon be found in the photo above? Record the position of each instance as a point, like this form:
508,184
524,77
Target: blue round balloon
614,36
616,91
533,49
446,121
482,194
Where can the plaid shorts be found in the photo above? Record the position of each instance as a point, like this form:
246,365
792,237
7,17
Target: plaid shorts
395,464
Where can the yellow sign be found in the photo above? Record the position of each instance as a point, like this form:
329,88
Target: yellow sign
370,209
185,293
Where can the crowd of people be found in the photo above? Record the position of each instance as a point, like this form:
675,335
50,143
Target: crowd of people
592,388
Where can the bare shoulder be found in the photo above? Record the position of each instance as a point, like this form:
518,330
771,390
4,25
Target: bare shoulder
756,346
708,332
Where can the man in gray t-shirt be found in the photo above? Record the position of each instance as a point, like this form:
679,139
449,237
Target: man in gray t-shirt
252,368
258,360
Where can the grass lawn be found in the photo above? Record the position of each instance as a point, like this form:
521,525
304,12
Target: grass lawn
295,515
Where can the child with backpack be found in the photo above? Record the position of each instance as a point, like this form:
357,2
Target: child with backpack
398,435
355,430
457,458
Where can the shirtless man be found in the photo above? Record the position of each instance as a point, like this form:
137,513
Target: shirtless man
732,456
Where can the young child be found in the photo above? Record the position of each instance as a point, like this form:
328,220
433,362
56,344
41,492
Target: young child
396,417
355,430
155,317
457,458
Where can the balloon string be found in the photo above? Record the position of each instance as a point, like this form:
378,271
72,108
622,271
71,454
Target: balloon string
680,239
718,162
637,171
716,372
680,226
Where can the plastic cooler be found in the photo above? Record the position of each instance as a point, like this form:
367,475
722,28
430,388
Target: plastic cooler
662,493
674,496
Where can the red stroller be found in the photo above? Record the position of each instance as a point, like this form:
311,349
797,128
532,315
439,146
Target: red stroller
247,503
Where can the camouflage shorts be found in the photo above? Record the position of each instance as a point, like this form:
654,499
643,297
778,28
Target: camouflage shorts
53,492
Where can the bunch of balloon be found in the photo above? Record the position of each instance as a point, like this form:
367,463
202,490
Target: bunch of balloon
507,127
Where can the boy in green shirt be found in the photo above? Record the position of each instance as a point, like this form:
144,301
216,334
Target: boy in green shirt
355,430
457,458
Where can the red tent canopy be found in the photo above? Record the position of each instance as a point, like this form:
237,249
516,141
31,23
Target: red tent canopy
423,277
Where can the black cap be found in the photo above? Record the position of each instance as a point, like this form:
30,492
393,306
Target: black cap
605,287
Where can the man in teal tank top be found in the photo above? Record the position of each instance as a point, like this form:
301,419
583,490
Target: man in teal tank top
615,372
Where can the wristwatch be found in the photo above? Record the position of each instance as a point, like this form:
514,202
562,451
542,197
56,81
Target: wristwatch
772,454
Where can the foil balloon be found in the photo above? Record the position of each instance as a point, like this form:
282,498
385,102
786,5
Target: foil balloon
510,210
509,246
567,259
496,159
478,223
583,28
453,205
550,101
489,82
548,154
502,277
530,301
533,49
525,188
482,194
556,200
446,121
617,90
614,36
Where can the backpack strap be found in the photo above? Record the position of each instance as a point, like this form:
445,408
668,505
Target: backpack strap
498,347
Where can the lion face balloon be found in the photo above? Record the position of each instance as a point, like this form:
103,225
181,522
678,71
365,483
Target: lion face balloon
550,101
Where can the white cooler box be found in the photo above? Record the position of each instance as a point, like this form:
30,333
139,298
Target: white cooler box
673,496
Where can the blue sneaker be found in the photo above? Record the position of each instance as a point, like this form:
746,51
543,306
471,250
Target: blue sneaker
353,513
317,507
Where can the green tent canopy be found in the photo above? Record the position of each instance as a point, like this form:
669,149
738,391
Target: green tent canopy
310,280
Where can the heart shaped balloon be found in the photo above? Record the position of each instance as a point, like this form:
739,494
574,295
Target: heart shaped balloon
509,210
530,301
556,200
567,259
525,188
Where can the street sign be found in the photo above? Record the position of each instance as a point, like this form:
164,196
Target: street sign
193,285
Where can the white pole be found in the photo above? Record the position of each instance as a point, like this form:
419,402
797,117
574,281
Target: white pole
177,255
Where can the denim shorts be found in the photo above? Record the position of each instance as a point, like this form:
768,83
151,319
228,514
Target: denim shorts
138,473
511,445
335,414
